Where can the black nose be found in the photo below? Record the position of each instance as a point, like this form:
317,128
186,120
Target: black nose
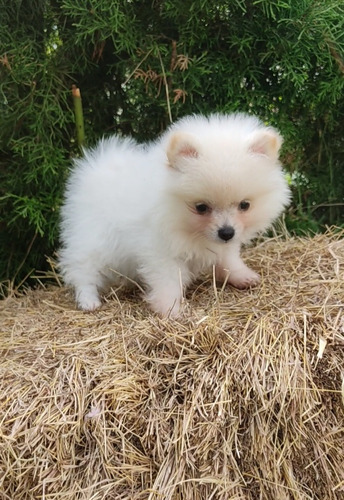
226,233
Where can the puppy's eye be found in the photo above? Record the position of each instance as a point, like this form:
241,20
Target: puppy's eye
202,208
244,205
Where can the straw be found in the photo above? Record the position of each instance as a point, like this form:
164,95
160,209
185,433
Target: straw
242,398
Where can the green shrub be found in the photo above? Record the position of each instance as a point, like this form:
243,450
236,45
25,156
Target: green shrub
140,64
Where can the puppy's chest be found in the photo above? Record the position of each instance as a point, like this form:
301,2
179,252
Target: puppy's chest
200,264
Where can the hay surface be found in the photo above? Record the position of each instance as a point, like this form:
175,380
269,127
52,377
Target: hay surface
241,400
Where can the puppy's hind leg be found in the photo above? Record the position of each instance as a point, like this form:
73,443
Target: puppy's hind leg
87,297
86,281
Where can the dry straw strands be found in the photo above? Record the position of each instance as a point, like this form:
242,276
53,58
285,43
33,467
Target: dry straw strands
242,399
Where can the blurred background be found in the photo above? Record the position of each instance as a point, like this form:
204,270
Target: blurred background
141,64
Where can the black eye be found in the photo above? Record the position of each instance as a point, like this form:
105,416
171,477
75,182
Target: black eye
202,208
244,205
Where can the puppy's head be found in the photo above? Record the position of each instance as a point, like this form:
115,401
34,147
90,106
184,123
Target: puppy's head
227,180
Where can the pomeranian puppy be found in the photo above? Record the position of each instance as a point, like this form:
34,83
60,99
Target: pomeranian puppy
164,213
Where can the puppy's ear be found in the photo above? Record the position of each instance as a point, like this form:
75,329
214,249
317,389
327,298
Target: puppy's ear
181,147
266,142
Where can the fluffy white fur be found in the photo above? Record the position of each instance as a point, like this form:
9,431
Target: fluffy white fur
163,214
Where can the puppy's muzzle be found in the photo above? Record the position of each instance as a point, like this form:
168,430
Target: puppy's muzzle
226,233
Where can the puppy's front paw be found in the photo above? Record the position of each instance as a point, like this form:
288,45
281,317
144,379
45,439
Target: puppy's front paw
166,310
167,306
243,278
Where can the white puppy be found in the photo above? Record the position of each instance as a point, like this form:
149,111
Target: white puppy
163,214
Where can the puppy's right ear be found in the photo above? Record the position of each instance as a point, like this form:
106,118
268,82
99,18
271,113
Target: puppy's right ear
181,148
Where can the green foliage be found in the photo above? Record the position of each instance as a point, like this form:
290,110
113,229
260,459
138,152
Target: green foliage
138,63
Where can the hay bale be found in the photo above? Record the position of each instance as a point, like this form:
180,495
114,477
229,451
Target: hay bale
241,400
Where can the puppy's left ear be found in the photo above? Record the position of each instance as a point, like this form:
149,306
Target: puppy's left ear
181,148
267,142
